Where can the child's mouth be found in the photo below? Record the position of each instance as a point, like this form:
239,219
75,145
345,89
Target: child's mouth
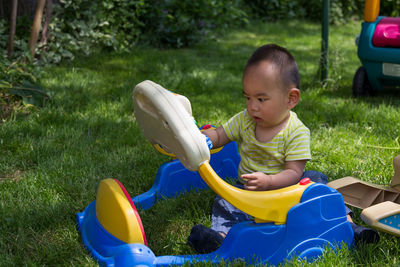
257,119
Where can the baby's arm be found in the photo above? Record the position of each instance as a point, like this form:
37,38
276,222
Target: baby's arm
258,181
217,136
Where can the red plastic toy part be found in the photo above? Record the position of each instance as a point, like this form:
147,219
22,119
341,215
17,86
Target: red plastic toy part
387,33
305,181
134,210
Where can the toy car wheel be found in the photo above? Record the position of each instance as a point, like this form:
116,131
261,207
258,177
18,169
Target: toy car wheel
361,85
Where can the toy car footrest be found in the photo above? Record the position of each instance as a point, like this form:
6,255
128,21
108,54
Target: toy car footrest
384,216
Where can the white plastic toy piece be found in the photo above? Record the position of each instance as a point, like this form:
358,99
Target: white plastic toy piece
185,103
157,108
384,216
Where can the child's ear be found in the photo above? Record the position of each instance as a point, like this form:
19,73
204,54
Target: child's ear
293,97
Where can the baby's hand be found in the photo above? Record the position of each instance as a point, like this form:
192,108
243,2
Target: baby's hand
256,181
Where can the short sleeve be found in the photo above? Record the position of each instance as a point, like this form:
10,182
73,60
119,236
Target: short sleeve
233,126
298,144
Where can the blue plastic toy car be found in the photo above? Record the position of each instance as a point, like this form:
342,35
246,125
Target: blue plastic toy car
314,225
379,52
300,221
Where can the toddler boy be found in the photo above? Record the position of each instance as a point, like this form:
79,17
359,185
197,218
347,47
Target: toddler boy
274,144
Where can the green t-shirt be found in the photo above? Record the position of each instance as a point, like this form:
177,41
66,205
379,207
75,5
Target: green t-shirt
291,143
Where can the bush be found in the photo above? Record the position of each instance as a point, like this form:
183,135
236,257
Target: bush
179,23
81,26
274,9
390,8
121,24
340,10
84,26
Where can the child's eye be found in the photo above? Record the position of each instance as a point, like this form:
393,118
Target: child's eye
262,99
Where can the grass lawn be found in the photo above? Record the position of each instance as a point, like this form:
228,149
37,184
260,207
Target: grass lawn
52,160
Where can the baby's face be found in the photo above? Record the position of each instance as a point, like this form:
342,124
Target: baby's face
266,102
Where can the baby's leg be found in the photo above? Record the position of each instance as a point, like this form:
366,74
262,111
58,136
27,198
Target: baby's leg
225,215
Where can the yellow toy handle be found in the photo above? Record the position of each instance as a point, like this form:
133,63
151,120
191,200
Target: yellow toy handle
371,10
172,155
162,151
264,206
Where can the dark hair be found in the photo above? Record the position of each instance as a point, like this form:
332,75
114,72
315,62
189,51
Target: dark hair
282,59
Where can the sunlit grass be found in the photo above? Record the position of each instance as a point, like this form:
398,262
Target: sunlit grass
52,161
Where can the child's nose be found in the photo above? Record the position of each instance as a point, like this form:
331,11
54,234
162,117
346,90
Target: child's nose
253,105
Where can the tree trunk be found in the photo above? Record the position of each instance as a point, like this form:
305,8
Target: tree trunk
13,22
45,31
37,21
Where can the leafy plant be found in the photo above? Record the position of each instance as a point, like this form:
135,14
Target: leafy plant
390,8
30,93
3,35
18,79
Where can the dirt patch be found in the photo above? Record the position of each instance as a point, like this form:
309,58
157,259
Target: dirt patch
15,176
